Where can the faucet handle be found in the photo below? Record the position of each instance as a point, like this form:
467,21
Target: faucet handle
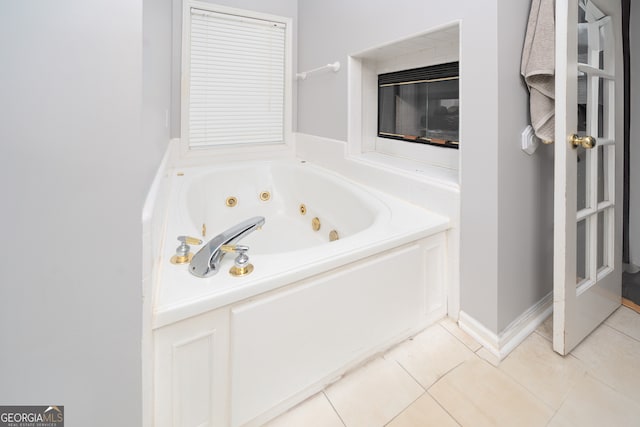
182,251
183,255
241,249
241,265
190,240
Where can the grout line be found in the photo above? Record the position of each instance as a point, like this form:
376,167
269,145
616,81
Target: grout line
573,386
606,384
411,375
625,334
518,382
455,420
334,408
550,339
459,364
406,407
532,392
487,359
618,330
615,329
552,418
458,339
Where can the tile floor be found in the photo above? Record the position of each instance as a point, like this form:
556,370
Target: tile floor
443,377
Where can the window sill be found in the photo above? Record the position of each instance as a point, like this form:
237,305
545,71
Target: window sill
186,156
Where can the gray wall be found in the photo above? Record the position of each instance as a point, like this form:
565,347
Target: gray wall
634,207
506,195
525,183
156,75
75,170
285,8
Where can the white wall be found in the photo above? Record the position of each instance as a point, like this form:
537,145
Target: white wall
75,170
506,195
634,198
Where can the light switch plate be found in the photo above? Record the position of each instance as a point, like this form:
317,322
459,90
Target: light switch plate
530,141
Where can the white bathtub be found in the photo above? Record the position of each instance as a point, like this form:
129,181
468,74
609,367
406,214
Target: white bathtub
239,350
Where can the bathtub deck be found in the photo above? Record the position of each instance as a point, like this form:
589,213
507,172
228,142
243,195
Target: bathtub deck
179,295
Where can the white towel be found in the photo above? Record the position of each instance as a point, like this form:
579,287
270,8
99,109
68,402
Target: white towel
538,67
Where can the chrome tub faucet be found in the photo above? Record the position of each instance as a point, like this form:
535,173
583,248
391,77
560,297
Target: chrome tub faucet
206,261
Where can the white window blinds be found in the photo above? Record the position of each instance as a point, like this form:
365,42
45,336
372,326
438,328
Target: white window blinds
236,80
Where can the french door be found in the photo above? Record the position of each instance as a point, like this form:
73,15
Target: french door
588,168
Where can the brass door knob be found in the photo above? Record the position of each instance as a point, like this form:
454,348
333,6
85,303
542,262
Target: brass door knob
583,141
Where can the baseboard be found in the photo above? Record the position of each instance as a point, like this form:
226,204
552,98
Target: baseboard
500,345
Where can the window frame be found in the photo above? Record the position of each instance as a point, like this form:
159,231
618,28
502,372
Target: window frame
431,74
185,148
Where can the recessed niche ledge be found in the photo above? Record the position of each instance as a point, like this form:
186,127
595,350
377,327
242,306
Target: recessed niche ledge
416,169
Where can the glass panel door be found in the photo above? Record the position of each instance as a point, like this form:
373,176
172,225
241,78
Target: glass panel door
594,193
587,219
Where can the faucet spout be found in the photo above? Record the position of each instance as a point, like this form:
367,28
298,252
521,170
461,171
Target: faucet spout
206,261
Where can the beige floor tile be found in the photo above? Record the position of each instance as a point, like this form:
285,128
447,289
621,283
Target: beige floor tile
592,403
613,358
430,354
374,394
546,329
545,373
451,326
313,412
626,321
487,356
477,394
424,412
560,421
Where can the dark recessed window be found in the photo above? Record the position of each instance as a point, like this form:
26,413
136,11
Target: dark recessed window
420,105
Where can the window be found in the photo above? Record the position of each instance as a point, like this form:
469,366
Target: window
236,70
420,105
